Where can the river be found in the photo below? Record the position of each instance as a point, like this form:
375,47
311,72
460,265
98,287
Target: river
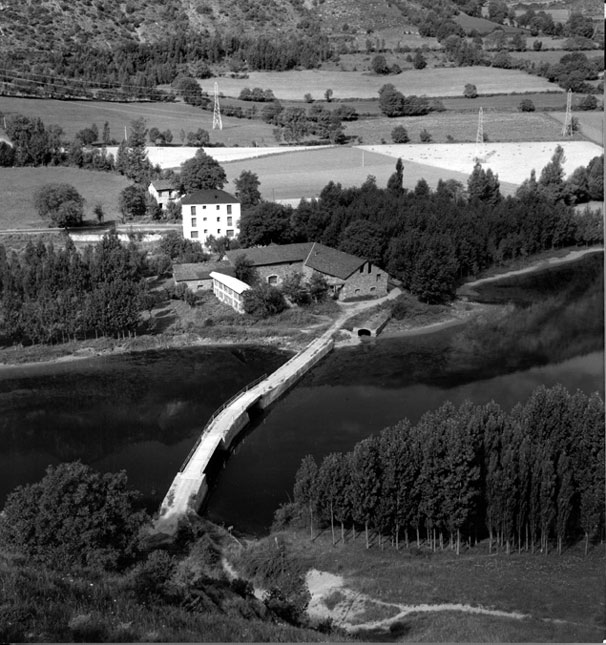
142,412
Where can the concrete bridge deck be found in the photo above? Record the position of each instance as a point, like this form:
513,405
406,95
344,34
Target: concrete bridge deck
190,486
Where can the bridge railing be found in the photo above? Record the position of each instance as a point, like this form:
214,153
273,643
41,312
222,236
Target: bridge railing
215,414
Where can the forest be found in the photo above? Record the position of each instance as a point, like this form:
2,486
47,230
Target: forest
432,239
528,479
49,295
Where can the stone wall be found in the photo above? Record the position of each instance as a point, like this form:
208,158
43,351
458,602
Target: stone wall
370,282
278,270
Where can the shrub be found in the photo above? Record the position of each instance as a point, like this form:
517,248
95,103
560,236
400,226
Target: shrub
470,91
400,134
526,105
61,203
425,136
263,301
589,102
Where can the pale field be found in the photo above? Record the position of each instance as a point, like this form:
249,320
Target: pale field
435,82
174,157
462,126
513,162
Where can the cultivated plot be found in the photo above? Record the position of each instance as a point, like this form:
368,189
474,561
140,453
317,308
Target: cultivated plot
512,161
431,82
592,124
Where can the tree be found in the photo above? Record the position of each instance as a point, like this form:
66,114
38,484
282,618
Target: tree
400,134
551,183
61,203
198,138
106,137
419,61
244,269
328,95
133,201
435,272
395,183
7,154
266,223
483,186
137,166
470,91
391,101
526,105
318,287
263,300
293,122
379,65
295,289
74,517
589,102
200,172
363,239
30,140
247,189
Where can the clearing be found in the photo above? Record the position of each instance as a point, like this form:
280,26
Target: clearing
435,82
418,595
17,186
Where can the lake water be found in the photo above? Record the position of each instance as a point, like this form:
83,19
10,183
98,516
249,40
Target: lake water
143,412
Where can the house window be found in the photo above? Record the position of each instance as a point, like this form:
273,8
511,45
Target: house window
194,235
373,289
219,218
204,207
230,232
356,292
193,210
272,279
378,277
218,207
229,222
194,222
218,231
362,269
229,209
369,267
205,231
204,219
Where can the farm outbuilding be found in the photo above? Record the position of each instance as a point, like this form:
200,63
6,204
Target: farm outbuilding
196,275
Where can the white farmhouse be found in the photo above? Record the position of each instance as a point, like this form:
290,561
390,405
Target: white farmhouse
163,192
210,212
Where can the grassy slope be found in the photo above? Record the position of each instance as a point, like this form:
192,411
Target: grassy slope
72,116
17,186
552,588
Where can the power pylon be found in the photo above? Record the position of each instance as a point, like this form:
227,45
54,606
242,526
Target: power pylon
480,152
567,128
217,122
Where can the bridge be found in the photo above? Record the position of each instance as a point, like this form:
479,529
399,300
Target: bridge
190,486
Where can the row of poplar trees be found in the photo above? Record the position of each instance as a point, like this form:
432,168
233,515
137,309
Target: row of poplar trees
526,479
49,295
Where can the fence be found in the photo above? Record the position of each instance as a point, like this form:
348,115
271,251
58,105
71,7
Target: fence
215,414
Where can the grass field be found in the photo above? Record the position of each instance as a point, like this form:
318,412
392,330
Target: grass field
75,115
551,56
592,124
17,186
481,25
435,82
304,174
563,595
462,126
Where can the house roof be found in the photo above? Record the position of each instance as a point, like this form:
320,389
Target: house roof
229,281
162,184
312,254
215,196
332,262
273,254
200,270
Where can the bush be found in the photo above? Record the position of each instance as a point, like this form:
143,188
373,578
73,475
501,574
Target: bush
425,136
263,301
589,102
400,134
526,105
470,91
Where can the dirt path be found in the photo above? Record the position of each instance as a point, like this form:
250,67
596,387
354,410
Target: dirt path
349,609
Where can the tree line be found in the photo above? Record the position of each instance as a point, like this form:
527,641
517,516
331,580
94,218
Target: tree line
432,239
49,295
527,479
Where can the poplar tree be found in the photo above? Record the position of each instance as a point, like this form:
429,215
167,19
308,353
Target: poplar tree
305,489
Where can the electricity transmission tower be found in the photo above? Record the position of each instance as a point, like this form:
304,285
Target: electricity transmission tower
480,152
217,122
567,128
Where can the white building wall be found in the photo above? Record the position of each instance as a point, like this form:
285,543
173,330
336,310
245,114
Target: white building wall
200,221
